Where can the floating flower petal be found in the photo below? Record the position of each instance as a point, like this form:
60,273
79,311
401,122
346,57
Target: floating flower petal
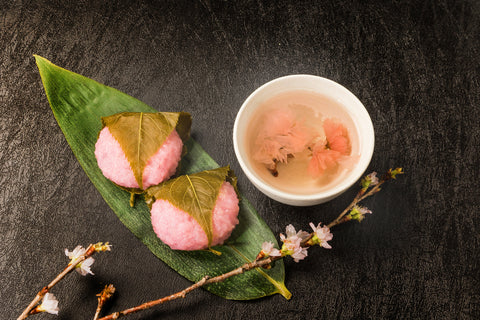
322,159
282,135
326,153
337,136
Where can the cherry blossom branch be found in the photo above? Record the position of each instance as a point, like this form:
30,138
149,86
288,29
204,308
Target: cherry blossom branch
81,260
204,281
370,185
263,260
295,244
59,277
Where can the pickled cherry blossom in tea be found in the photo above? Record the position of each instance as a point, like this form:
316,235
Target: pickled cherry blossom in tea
302,142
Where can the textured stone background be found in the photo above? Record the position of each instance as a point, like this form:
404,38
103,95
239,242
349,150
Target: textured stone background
415,66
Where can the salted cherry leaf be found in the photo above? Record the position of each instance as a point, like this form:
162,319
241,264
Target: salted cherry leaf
196,194
141,134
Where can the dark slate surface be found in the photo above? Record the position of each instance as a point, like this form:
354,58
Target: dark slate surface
414,64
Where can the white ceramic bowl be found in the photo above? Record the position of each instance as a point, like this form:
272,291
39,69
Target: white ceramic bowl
322,86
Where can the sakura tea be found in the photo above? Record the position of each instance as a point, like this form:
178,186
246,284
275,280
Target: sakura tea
303,139
302,142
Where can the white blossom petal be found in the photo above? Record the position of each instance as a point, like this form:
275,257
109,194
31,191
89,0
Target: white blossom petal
373,178
323,234
299,254
303,235
293,235
290,231
363,210
269,250
77,252
292,244
49,304
83,268
267,247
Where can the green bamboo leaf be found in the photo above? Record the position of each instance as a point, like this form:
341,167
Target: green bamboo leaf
141,134
78,104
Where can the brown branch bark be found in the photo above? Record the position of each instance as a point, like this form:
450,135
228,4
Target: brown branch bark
204,281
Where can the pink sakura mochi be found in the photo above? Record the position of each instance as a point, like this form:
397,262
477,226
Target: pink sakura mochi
161,166
180,231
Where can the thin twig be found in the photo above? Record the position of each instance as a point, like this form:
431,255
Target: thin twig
103,296
204,281
90,250
344,212
361,195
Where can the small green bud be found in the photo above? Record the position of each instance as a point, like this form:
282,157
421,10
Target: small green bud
393,173
369,180
358,213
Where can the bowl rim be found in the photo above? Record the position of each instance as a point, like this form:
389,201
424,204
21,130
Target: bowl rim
279,195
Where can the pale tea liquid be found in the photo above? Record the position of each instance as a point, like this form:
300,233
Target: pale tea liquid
311,108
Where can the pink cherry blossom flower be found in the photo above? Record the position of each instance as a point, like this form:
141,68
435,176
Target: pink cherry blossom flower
358,213
76,253
82,268
369,180
269,250
292,243
293,235
327,152
293,248
322,235
337,136
49,304
268,151
299,254
363,210
282,135
322,159
373,178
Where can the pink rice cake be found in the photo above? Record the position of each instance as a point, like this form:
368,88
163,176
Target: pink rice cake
180,231
115,166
